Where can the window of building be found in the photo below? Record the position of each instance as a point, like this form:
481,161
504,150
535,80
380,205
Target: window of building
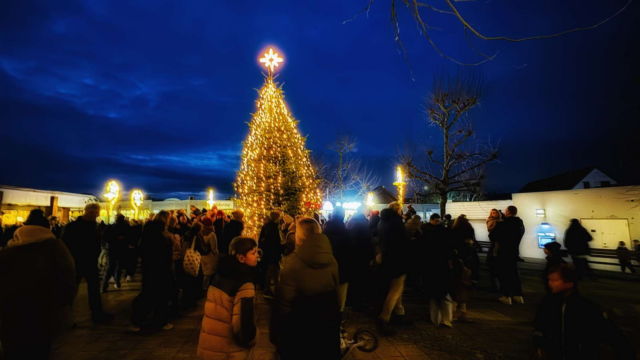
586,184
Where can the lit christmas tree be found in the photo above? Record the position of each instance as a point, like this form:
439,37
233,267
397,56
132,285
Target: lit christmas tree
276,172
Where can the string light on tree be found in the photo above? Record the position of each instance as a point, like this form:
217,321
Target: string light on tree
276,171
400,183
210,200
113,195
137,198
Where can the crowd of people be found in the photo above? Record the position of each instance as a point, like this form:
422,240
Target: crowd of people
309,269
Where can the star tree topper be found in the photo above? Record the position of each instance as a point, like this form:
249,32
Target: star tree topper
271,60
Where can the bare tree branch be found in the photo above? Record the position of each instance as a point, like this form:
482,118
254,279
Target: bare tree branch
365,10
460,165
504,38
414,6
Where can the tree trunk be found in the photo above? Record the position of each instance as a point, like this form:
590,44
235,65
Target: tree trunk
443,204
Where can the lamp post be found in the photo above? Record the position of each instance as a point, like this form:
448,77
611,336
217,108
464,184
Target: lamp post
210,200
137,198
113,195
400,183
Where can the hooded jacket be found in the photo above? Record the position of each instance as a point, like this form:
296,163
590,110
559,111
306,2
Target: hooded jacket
37,281
393,243
228,326
305,323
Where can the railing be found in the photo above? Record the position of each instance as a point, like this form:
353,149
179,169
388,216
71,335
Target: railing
595,253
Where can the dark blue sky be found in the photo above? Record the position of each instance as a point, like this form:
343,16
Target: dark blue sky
158,96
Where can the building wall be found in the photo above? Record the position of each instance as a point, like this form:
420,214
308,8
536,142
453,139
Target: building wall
476,210
28,197
562,206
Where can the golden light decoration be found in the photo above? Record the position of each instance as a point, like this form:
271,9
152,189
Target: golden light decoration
275,171
400,183
210,200
137,198
113,195
271,60
370,199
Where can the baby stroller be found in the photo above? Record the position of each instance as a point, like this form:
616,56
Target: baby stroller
363,340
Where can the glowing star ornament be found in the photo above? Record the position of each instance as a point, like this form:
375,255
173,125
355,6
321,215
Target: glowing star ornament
271,60
210,200
113,194
400,183
137,198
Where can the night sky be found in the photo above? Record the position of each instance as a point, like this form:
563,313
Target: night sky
158,96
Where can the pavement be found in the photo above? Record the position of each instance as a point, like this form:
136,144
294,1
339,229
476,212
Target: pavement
497,331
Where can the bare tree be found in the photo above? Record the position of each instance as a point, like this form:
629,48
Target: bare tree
459,168
347,177
416,9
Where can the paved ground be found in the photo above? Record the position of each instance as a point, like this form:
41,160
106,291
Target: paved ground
497,332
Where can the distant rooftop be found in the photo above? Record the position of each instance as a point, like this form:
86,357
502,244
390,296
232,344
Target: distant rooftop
586,178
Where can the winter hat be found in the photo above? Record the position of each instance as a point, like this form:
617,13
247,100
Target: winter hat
207,221
553,247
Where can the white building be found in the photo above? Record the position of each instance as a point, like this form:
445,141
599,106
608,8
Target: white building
16,203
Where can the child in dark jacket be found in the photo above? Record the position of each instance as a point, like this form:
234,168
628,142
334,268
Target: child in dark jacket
554,258
624,256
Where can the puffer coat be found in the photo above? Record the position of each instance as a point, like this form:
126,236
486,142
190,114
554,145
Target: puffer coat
228,326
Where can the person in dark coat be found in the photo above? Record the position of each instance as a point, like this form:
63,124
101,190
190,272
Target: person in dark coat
219,222
360,282
55,227
83,240
192,285
305,320
231,230
576,240
569,326
462,230
116,237
271,246
471,260
439,264
394,267
133,245
37,285
157,275
554,258
343,251
507,235
624,257
413,234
